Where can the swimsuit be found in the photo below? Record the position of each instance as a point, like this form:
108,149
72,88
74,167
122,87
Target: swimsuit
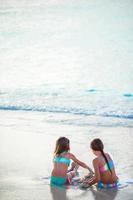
60,180
106,168
101,185
62,160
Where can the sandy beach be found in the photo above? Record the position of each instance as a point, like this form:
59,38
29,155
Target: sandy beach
27,141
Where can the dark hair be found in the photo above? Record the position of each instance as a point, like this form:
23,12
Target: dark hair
97,145
62,144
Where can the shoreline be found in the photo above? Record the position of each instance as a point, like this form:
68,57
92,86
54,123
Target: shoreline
27,142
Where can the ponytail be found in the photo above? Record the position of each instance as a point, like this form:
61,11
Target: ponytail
106,161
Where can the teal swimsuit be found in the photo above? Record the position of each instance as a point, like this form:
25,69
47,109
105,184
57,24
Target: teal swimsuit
62,160
60,180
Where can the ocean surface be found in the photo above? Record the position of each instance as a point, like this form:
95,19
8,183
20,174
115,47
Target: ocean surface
67,57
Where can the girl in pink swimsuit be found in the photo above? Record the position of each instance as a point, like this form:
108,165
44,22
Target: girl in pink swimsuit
105,176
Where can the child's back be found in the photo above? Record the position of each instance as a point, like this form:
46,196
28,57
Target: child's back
60,174
107,173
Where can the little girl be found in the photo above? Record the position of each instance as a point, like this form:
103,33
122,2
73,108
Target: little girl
105,175
60,174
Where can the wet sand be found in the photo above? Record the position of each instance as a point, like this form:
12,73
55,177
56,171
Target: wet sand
27,141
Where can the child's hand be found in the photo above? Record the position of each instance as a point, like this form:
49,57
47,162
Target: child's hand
90,170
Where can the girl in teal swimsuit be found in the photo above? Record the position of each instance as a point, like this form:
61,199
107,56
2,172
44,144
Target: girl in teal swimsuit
105,176
60,174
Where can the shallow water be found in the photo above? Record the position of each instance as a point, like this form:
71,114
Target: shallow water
67,57
27,141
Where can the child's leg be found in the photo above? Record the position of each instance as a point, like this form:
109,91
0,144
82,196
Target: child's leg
70,175
72,172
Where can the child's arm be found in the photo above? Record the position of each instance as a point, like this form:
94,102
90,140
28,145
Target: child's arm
82,164
96,170
96,178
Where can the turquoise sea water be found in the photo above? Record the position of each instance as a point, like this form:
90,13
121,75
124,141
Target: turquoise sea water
68,57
